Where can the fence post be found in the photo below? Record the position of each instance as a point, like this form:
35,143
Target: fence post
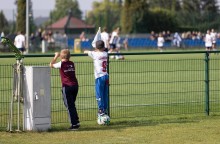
108,86
207,83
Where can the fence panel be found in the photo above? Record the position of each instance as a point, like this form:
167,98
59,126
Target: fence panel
147,84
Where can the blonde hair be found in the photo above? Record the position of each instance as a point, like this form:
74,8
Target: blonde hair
65,54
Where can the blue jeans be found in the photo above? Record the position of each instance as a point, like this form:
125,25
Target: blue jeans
102,88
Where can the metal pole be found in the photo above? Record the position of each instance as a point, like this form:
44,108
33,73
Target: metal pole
207,83
18,92
108,87
27,26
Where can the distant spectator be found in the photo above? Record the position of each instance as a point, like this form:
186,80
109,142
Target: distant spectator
214,38
183,35
105,38
194,35
177,39
83,36
168,37
160,42
39,34
199,36
50,38
44,35
188,35
114,39
65,40
208,41
153,36
125,43
114,44
19,41
32,42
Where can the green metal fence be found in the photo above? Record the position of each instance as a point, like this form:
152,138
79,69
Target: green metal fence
144,84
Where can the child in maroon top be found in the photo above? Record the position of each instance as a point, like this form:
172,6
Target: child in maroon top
69,84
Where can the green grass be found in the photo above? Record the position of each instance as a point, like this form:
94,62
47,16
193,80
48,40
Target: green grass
155,130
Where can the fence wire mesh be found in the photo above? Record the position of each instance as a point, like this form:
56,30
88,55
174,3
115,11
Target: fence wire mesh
140,86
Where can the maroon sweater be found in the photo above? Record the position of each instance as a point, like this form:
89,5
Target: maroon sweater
67,73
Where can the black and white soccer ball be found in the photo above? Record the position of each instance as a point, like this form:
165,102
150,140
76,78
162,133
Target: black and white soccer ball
103,120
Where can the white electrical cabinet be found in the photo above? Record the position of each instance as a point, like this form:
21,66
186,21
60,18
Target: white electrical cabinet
37,102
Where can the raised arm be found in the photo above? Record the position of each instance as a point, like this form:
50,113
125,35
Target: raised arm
86,51
53,61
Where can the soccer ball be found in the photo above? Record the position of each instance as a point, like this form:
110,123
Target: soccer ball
103,120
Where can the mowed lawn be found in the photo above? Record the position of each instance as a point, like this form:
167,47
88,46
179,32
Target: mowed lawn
167,129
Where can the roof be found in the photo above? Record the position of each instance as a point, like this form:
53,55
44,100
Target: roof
73,22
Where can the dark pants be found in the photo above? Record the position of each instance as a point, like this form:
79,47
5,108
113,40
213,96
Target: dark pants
69,98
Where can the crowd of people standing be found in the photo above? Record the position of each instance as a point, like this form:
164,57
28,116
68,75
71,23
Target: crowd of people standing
176,39
114,41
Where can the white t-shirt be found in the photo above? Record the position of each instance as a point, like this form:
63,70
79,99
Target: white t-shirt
113,39
160,41
214,36
57,65
19,41
100,63
105,38
208,40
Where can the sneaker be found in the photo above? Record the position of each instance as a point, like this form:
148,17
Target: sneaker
74,127
101,112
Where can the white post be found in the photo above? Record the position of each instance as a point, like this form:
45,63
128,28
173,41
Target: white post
44,46
27,26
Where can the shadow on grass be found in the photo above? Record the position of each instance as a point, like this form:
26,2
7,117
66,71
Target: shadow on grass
117,124
123,123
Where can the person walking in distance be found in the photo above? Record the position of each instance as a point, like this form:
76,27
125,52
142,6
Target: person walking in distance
69,85
208,41
160,42
19,42
105,38
214,39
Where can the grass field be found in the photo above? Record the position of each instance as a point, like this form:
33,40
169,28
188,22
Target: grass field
171,87
153,130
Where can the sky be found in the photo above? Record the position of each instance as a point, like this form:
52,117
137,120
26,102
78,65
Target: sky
40,7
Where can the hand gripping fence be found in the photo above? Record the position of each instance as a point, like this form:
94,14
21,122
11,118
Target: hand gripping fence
17,94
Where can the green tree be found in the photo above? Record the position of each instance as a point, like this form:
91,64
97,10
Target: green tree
21,16
3,23
105,14
62,8
199,14
141,17
172,5
158,20
127,18
132,14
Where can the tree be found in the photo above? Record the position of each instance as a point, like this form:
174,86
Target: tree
139,16
199,14
3,23
172,5
21,17
133,13
62,8
105,14
127,18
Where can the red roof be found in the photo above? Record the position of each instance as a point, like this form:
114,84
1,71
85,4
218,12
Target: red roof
72,23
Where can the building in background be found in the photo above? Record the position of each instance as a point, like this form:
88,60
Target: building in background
70,25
